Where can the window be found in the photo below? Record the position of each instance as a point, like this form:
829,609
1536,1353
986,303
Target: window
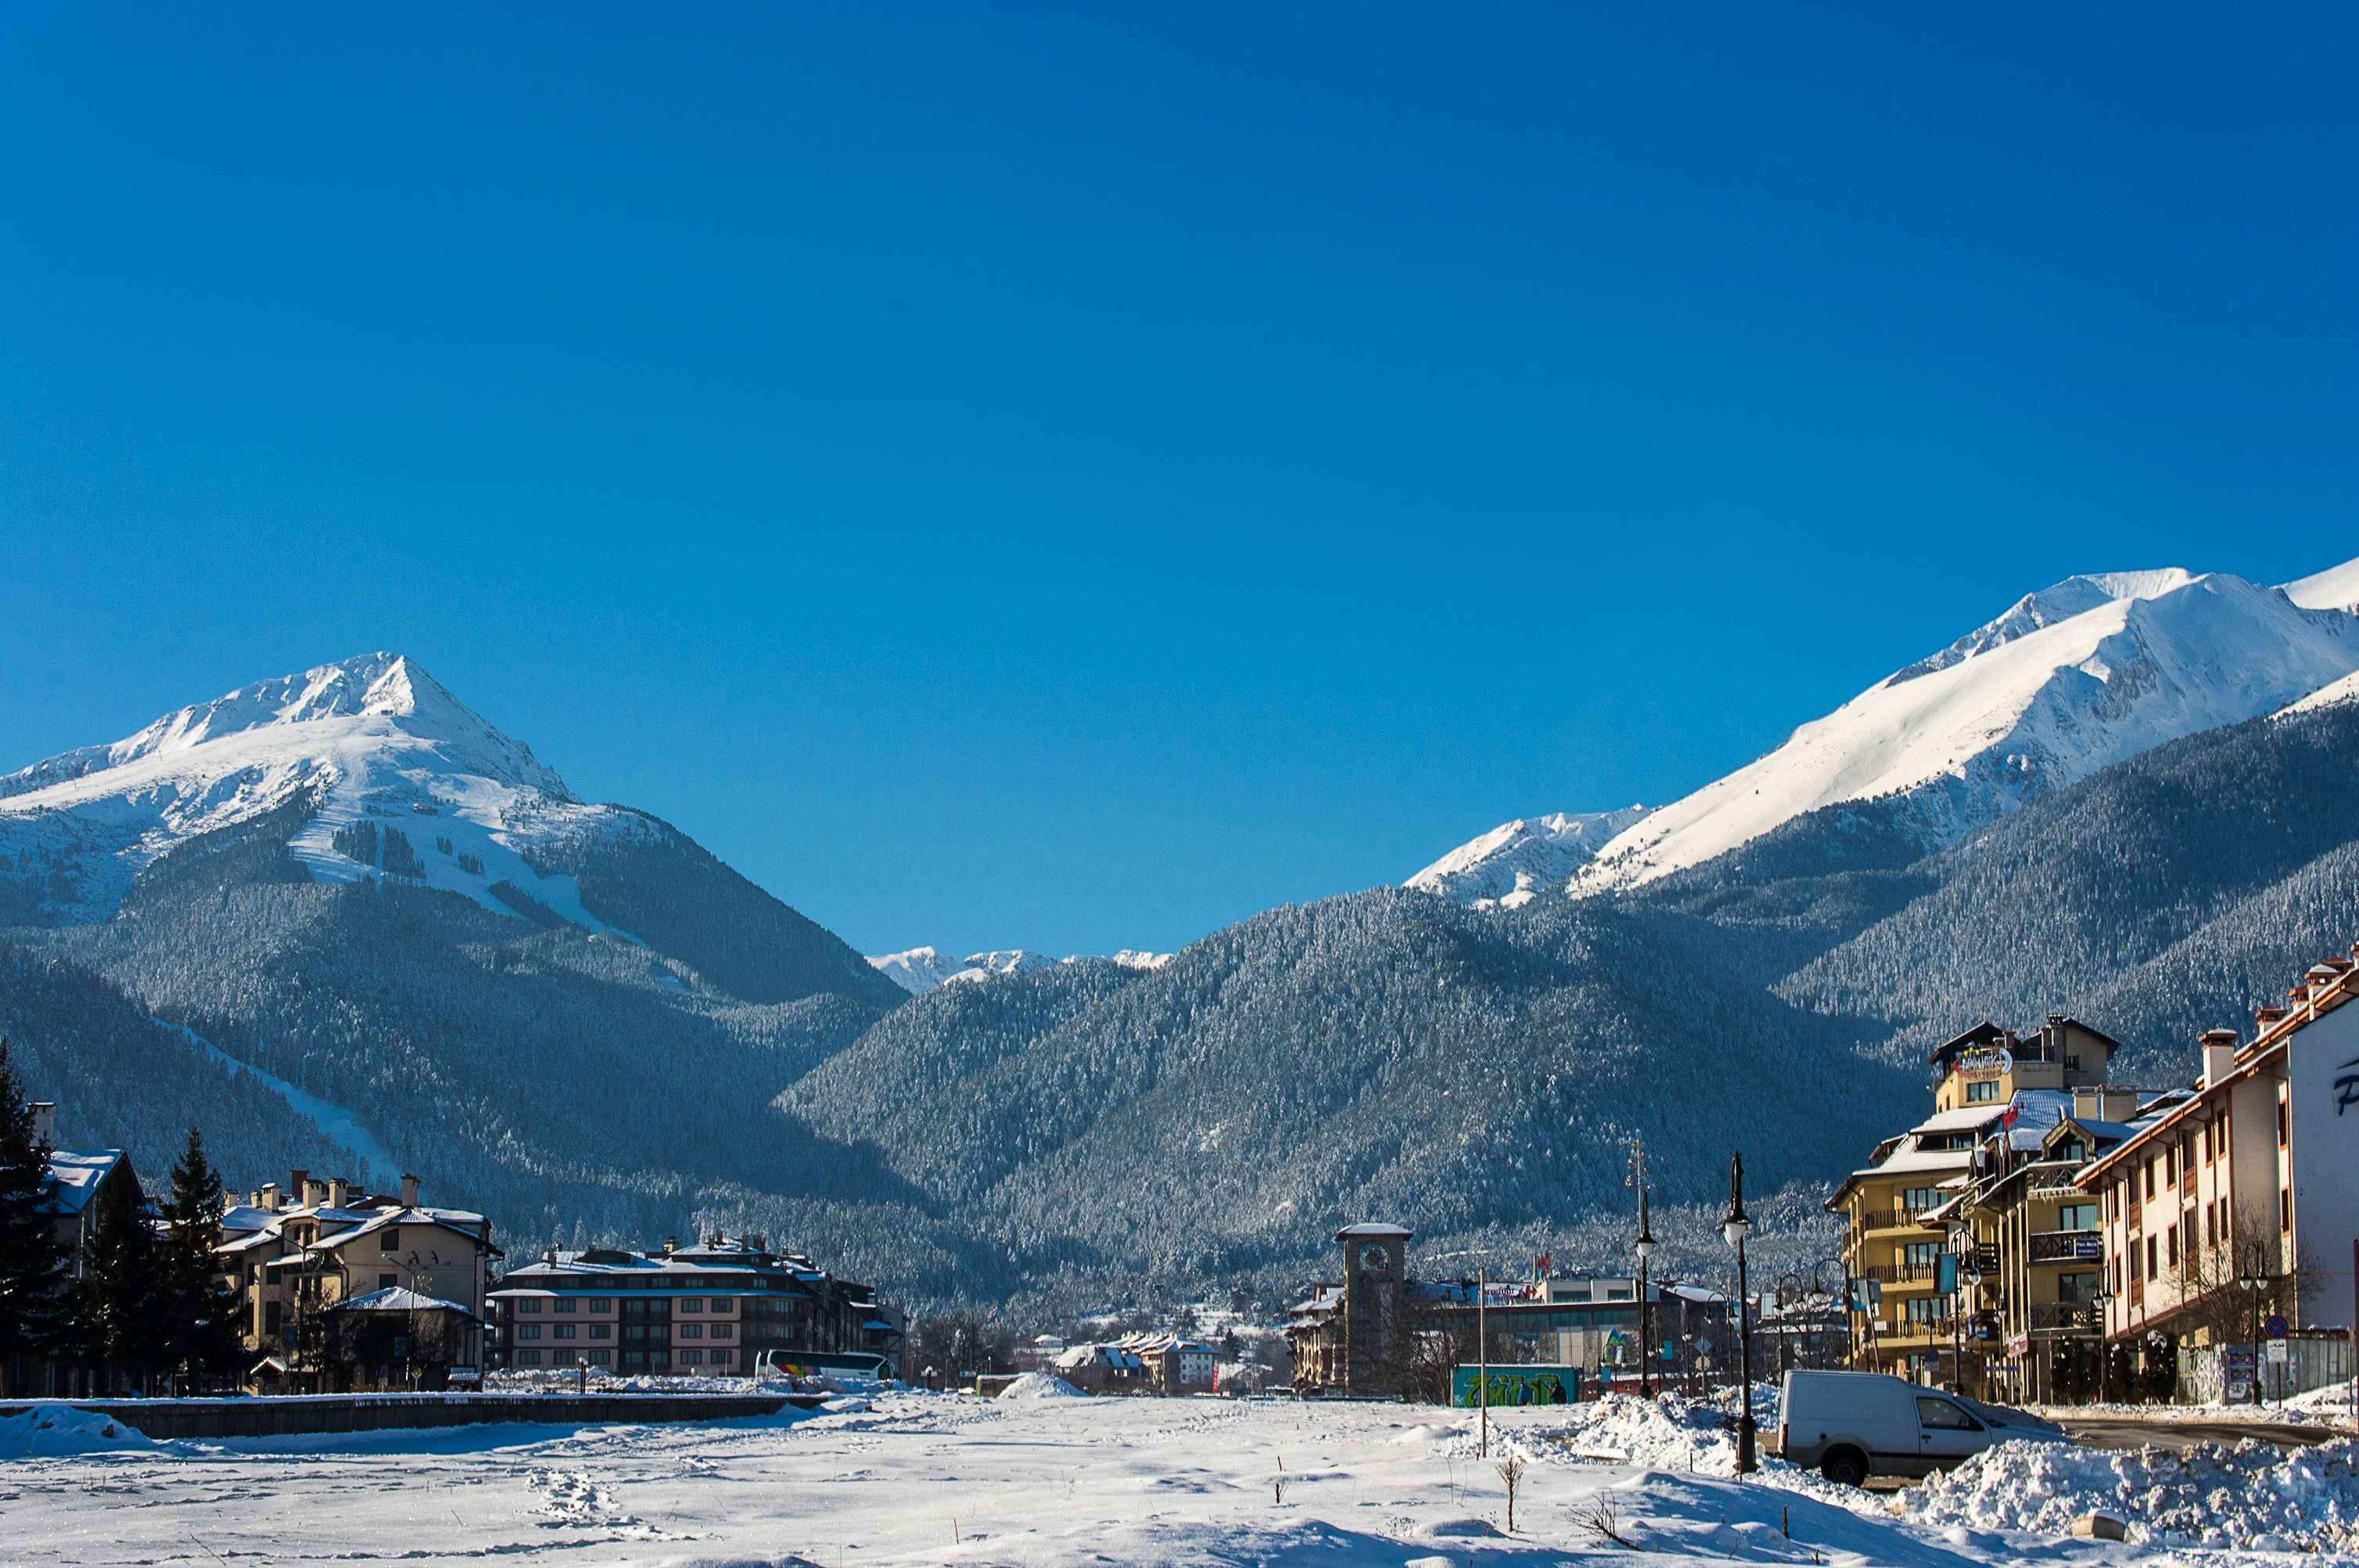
387,1281
2227,1137
2209,1240
1945,1416
1920,1254
690,1357
691,1303
2170,1165
2285,1210
567,1304
390,1241
2149,1179
602,1304
528,1357
270,1317
602,1357
2151,1270
2077,1216
1920,1309
601,1331
718,1357
721,1331
2207,1143
2281,1124
691,1331
2171,1246
1983,1092
564,1331
2072,1151
2076,1288
528,1303
528,1331
1917,1199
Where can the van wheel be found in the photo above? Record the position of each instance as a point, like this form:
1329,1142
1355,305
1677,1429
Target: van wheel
1844,1468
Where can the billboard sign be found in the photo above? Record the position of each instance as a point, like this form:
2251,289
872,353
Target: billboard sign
1528,1385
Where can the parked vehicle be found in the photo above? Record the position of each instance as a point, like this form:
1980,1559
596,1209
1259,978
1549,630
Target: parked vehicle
1852,1425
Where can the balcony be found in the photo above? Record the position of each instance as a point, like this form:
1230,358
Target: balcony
1899,1273
2064,1317
1887,1219
2066,1247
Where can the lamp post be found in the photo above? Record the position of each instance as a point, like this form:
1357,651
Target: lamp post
1969,1271
1482,1353
1735,1227
1646,1251
2254,1278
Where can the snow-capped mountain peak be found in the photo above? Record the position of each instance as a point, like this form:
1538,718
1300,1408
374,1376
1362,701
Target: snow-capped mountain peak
1518,861
2080,675
922,969
398,779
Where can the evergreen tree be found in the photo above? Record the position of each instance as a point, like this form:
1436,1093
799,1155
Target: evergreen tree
123,1300
202,1316
34,1315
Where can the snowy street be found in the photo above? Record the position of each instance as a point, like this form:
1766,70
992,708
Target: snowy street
931,1478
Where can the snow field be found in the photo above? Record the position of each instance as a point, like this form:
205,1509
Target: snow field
910,1478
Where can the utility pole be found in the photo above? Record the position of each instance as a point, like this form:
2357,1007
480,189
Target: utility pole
1481,1350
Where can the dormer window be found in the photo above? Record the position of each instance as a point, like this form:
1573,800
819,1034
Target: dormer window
1981,1092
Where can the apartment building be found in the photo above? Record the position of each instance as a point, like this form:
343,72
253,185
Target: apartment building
1922,1226
340,1289
2241,1201
728,1307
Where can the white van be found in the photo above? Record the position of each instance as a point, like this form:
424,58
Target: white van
1852,1425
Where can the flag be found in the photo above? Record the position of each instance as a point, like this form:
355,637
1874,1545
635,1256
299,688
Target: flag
1541,1266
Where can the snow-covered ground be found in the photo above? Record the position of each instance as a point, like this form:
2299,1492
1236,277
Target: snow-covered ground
901,1478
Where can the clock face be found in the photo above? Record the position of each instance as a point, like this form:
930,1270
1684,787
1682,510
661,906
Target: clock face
1373,1257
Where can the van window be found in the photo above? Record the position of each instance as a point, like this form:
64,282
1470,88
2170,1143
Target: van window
1941,1413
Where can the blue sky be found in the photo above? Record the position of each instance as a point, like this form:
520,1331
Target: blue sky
1035,476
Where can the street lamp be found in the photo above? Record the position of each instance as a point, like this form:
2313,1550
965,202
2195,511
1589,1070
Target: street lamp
1735,1227
1482,1353
2255,1279
2105,1294
1970,1272
1646,1251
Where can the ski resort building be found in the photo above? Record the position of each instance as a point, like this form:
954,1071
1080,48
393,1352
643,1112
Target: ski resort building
2239,1202
730,1307
1962,1232
344,1290
77,1178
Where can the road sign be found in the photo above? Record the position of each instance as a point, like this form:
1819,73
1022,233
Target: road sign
2276,1327
2277,1351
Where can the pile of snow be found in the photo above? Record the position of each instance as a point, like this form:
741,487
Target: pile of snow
1040,1385
54,1430
1668,1431
2252,1495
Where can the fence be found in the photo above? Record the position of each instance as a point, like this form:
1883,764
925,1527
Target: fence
2311,1363
166,1419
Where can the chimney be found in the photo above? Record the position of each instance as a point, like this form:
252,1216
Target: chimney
671,1244
410,1191
336,1191
315,1194
296,1181
267,1199
2218,1055
45,1123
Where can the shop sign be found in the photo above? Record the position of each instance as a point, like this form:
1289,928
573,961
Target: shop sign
1990,1062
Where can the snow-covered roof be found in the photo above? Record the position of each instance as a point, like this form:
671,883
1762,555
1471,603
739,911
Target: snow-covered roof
1374,1232
78,1172
1964,1118
400,1299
